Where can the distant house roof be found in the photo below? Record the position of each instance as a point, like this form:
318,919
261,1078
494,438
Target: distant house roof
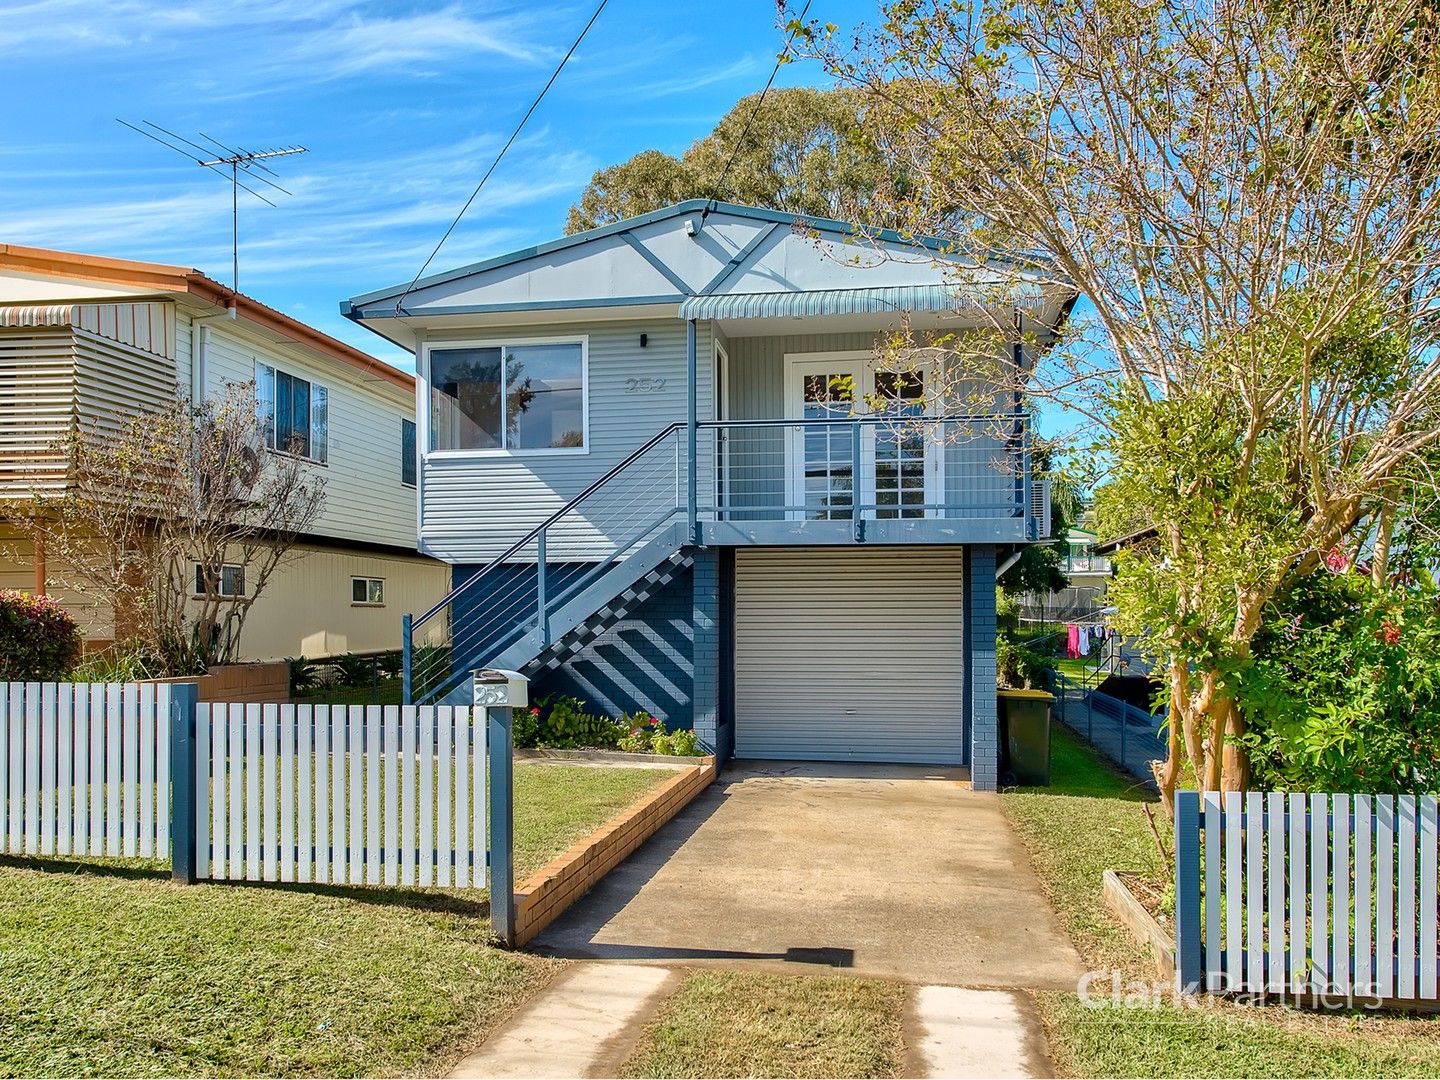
150,279
1129,540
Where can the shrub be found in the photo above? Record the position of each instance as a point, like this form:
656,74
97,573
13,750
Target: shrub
566,725
304,675
118,663
353,670
38,638
1343,690
525,730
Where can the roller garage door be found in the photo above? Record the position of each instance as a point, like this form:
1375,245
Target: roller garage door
845,654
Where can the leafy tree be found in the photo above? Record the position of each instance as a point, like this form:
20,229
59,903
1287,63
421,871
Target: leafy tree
184,486
805,152
1248,195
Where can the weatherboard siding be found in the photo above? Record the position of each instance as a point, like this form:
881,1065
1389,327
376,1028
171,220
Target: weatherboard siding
476,506
364,497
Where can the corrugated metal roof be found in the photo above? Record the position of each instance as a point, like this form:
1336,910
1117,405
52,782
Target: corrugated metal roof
878,300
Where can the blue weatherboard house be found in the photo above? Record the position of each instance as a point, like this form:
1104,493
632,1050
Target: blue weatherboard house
669,477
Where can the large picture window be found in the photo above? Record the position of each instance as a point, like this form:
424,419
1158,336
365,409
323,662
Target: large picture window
295,413
508,397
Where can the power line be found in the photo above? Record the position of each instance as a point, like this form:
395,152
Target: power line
745,132
498,157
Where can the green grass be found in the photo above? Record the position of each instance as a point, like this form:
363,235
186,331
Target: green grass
1079,670
556,805
738,1023
1091,818
114,970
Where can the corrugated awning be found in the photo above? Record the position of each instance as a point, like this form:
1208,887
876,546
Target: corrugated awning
878,301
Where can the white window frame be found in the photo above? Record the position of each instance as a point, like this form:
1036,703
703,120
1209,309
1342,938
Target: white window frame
864,485
220,582
368,581
277,370
422,433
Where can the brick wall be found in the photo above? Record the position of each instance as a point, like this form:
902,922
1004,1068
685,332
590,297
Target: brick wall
643,662
259,683
705,652
545,895
981,704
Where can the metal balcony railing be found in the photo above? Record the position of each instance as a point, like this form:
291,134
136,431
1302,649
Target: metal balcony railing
856,469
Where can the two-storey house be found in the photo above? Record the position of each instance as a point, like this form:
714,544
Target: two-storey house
670,476
85,338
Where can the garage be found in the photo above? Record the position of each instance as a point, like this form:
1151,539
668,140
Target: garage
850,654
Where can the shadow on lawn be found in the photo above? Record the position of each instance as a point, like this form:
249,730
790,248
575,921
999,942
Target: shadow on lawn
437,900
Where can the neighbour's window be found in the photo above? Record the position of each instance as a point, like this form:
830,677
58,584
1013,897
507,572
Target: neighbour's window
407,452
367,590
294,412
508,397
229,582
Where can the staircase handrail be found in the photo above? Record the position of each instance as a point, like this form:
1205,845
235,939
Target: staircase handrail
604,479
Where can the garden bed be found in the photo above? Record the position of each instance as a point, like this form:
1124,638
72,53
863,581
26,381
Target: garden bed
545,895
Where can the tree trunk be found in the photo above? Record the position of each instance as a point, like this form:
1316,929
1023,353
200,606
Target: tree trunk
1380,563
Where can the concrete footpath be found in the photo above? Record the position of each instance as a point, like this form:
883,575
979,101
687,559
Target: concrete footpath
588,1021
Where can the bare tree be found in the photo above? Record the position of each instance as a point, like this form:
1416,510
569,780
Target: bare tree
158,509
1247,194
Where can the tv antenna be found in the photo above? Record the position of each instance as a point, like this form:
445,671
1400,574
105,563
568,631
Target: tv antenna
250,163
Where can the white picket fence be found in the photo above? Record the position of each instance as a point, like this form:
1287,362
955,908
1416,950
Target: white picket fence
1309,894
85,769
361,795
357,795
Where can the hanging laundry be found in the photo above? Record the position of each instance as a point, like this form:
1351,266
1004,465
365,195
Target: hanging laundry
1082,643
1072,641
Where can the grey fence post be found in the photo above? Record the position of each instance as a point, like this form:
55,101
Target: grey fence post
184,859
500,693
1188,965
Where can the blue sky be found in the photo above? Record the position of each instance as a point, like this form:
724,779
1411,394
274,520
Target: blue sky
402,106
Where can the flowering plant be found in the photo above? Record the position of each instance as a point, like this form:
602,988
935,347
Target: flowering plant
38,638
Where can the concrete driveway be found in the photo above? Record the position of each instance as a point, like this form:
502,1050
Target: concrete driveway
895,871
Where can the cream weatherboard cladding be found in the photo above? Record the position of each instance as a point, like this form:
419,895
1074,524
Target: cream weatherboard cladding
476,505
845,654
364,496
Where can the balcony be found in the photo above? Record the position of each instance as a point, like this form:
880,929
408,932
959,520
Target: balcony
867,479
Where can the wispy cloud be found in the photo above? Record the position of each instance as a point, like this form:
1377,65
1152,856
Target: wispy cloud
411,44
279,43
684,84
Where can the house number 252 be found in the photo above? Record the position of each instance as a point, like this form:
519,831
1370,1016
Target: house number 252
644,386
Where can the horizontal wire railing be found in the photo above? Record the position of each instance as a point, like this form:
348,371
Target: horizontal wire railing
837,468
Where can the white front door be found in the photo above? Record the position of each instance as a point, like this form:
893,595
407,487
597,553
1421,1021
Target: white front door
899,473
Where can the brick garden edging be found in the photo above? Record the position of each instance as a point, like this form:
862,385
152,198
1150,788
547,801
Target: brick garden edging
264,681
546,894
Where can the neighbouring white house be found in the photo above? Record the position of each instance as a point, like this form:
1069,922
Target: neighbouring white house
84,337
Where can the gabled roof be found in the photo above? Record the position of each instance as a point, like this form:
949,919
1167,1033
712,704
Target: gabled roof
153,279
720,260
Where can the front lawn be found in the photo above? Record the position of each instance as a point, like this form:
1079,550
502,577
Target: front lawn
740,1023
1092,818
114,970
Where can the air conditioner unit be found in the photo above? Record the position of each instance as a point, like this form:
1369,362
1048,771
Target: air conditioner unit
1040,509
